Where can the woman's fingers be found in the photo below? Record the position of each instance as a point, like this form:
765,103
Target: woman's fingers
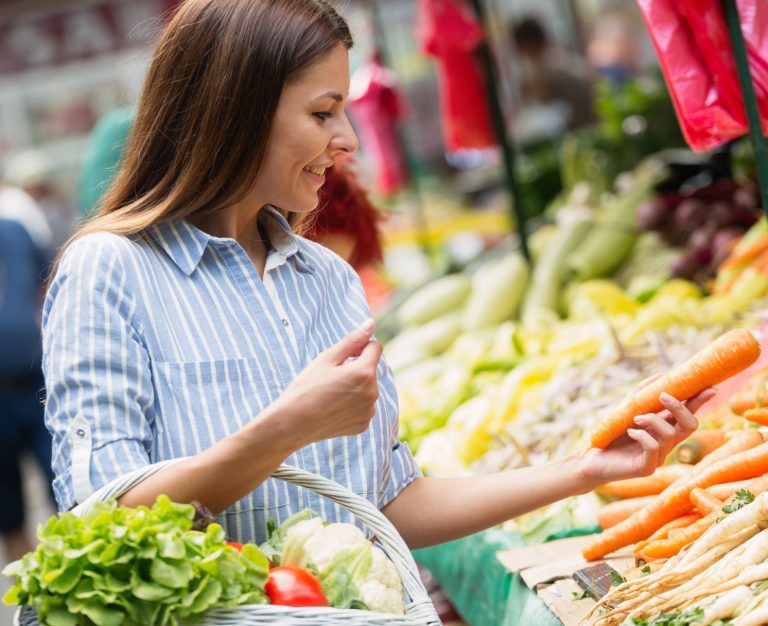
684,421
664,432
698,401
650,457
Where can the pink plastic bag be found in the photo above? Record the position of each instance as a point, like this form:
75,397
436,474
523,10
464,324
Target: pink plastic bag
694,49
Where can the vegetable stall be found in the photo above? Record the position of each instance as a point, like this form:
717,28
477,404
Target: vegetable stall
505,365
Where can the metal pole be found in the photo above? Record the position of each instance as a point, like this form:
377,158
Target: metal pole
500,130
759,143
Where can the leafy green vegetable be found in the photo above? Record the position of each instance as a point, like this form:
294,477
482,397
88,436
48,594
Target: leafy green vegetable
580,595
742,499
121,566
646,569
616,578
273,546
338,578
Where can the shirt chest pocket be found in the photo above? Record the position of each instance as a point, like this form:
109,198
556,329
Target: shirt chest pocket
201,402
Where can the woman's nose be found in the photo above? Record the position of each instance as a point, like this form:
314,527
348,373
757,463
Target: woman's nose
346,139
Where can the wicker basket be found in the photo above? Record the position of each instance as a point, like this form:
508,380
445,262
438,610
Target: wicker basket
419,611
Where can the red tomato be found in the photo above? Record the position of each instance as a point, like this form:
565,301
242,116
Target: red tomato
235,545
294,586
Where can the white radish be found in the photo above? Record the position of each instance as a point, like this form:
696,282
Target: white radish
752,552
727,605
754,513
758,617
753,573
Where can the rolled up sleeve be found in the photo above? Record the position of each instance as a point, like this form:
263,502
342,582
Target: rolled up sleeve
403,467
404,471
99,406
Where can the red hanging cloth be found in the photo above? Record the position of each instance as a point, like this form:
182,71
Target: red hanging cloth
694,49
376,106
449,31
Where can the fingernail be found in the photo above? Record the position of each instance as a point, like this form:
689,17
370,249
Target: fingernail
666,398
639,419
367,326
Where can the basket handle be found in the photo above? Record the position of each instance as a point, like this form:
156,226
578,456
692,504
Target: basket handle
361,508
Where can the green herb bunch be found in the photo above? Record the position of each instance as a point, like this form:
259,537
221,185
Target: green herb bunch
120,566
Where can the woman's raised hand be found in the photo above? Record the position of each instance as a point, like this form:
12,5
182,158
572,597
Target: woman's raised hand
643,449
334,396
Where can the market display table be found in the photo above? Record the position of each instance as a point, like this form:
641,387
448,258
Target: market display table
488,577
483,591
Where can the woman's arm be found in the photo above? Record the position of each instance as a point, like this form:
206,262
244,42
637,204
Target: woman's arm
435,510
333,397
228,470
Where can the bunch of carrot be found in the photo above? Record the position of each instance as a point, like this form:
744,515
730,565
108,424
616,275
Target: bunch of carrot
743,457
721,576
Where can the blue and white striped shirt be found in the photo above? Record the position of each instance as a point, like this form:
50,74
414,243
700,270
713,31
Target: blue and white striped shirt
158,345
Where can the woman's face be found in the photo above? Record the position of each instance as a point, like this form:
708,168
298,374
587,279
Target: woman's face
309,131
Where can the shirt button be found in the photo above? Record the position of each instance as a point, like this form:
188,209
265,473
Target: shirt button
80,433
284,321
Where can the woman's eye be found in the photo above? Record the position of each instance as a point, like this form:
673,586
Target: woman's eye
323,115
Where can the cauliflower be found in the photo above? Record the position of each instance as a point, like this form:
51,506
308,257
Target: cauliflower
353,572
382,589
325,542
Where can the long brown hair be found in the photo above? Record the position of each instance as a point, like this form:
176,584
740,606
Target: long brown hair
206,110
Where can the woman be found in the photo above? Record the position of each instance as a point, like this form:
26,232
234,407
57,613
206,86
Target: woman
187,319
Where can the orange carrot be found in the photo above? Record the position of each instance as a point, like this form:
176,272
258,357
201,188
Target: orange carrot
615,512
699,444
726,356
705,502
679,538
758,416
724,491
675,500
752,394
737,442
651,485
680,522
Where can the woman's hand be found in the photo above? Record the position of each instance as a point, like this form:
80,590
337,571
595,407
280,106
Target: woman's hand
335,395
643,449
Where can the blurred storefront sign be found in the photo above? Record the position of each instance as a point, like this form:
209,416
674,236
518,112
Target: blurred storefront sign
64,33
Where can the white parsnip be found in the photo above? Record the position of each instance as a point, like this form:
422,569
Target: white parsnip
757,617
755,513
714,573
727,605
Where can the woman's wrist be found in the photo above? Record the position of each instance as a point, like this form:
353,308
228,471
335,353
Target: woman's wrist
584,475
278,424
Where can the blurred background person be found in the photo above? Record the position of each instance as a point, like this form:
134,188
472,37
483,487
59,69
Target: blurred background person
551,75
346,222
23,265
102,157
613,48
33,172
16,204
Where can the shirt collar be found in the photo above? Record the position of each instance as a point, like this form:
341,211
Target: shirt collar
185,244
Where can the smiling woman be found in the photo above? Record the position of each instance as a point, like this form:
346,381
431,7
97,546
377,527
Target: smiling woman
188,319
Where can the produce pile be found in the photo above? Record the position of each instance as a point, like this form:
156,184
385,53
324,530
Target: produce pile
704,224
721,579
698,530
506,365
121,566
